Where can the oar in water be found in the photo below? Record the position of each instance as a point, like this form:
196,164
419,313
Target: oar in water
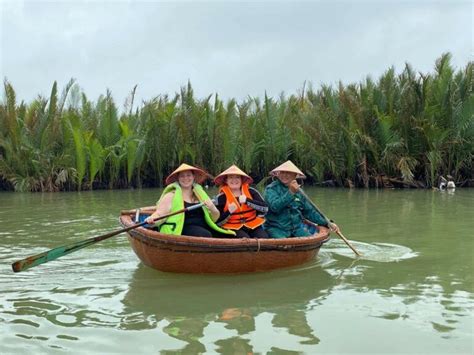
55,253
329,222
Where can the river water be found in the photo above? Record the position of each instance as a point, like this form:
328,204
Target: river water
411,292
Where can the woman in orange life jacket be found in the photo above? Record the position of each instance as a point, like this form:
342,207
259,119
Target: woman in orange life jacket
241,207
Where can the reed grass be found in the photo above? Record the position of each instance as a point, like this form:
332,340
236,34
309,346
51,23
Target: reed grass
408,127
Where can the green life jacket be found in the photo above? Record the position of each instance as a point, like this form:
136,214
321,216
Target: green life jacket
174,224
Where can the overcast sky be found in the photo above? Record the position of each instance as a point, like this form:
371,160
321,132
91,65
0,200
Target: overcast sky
232,48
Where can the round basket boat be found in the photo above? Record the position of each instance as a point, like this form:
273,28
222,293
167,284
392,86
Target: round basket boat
187,254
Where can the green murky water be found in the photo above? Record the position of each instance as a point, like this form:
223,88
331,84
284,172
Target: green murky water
411,292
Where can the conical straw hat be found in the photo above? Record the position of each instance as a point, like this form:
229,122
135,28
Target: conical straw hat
233,170
289,167
199,174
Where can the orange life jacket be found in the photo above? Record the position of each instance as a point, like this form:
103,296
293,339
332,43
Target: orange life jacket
243,215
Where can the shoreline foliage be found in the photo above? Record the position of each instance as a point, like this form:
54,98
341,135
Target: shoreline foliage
403,130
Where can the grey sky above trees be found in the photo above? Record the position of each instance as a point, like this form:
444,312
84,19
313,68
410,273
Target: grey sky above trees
234,49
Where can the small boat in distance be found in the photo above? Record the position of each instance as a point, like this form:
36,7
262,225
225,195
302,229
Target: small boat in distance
187,254
446,183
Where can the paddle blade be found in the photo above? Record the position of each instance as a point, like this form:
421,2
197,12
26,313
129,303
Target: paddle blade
55,253
49,255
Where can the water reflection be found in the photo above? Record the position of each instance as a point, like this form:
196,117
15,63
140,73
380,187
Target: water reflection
427,296
194,305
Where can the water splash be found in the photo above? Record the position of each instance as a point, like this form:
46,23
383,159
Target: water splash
381,252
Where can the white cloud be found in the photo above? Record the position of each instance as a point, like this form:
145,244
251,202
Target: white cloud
232,48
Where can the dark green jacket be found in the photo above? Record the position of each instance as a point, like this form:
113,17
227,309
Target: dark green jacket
286,212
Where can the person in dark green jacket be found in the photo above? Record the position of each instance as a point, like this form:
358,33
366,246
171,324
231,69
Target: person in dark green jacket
288,208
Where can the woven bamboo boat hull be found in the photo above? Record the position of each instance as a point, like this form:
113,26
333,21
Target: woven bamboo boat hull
186,254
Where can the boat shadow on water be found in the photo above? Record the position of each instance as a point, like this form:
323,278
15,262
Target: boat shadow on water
191,307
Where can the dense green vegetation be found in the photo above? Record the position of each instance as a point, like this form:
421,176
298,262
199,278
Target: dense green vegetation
407,128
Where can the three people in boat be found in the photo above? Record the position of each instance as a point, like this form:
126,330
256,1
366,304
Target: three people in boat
241,211
288,207
241,207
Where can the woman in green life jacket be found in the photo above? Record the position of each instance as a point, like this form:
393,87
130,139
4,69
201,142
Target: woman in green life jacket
184,190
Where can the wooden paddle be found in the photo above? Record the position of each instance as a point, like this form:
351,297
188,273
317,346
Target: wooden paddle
328,222
55,253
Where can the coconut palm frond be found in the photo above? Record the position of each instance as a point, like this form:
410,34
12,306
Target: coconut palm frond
413,124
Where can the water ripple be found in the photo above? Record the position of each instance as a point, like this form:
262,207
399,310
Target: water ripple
380,252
